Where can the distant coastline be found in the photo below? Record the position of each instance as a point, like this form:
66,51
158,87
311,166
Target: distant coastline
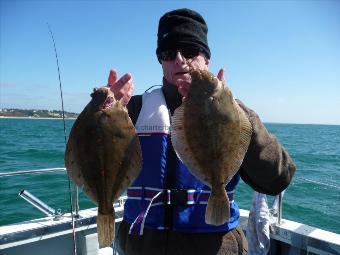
11,113
35,114
36,118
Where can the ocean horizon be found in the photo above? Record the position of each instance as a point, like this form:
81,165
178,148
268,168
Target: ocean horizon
265,122
312,198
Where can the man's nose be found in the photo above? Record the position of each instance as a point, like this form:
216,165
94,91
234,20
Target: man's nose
180,59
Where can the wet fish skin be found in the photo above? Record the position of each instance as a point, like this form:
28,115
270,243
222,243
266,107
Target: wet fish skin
103,156
211,134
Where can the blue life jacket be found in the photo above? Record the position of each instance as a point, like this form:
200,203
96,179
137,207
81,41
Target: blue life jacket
147,196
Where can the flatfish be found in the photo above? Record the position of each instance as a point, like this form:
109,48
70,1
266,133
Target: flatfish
211,134
103,155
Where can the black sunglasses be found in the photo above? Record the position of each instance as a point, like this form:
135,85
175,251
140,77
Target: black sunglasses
169,55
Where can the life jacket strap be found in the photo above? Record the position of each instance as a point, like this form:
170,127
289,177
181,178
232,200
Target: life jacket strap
175,197
137,226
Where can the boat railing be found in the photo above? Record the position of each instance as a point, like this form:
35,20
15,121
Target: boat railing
37,171
276,209
35,201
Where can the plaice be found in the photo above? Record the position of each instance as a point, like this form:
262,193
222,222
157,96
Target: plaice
103,155
211,134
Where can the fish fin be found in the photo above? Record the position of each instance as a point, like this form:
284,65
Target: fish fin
246,131
180,144
177,132
105,229
217,211
70,157
91,193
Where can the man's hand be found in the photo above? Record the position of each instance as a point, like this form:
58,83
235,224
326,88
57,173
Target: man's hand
183,86
123,88
220,74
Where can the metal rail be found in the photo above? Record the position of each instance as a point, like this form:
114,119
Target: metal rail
37,171
279,215
276,208
45,170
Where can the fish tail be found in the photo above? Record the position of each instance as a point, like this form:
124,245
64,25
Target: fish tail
218,208
105,229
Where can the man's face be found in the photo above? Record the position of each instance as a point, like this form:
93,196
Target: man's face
176,70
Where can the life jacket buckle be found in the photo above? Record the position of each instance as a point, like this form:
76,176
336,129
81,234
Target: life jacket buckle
180,197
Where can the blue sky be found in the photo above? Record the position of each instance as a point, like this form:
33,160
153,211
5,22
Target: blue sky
282,58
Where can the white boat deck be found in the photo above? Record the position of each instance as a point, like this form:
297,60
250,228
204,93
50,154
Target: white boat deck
56,236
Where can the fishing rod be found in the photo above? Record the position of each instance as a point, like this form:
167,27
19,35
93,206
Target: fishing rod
65,140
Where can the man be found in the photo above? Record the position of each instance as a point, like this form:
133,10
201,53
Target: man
158,219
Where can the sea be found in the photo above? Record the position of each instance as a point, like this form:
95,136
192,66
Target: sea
312,198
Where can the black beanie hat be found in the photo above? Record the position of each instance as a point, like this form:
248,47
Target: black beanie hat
180,29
